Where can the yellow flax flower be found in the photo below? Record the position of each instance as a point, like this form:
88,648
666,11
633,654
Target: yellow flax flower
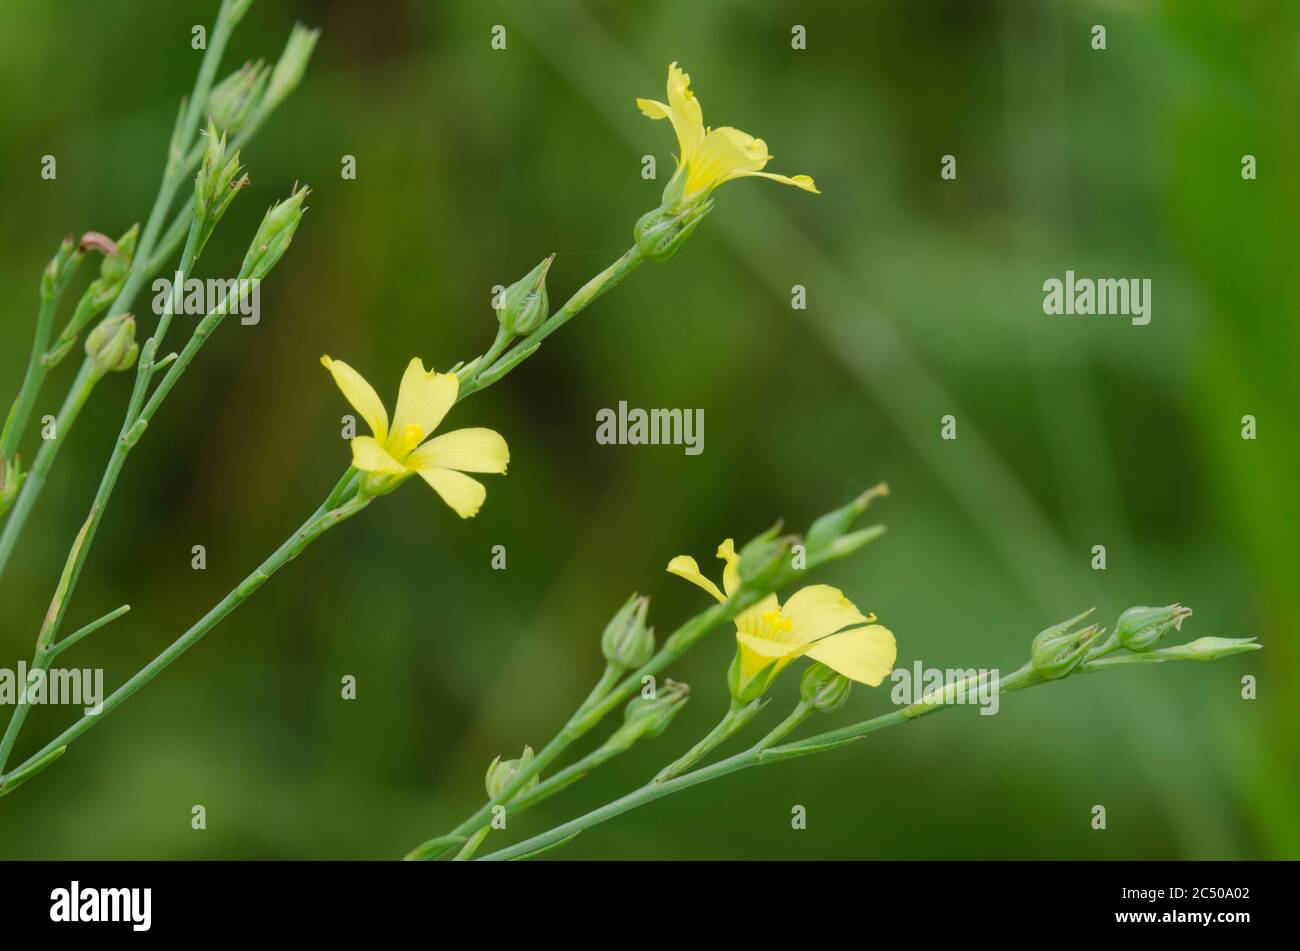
393,453
818,621
711,156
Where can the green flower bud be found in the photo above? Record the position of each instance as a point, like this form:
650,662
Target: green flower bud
11,480
61,267
112,344
1139,629
291,65
503,772
218,182
660,233
1058,650
1212,648
764,557
102,291
274,235
232,101
627,642
524,306
824,689
647,719
829,537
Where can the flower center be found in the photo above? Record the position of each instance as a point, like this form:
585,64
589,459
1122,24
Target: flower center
410,437
773,626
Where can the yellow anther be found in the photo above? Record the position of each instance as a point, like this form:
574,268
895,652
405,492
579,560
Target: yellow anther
411,436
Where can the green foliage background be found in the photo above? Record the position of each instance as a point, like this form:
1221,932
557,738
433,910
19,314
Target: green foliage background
924,299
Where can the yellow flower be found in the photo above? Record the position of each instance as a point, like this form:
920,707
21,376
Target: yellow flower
818,621
711,156
400,450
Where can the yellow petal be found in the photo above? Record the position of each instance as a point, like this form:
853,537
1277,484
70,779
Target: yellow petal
369,456
463,494
731,571
466,450
685,113
820,610
751,620
684,566
422,401
758,652
653,109
798,181
864,654
723,154
361,395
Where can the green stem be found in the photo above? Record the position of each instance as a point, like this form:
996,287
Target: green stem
732,721
78,394
593,711
759,754
313,528
177,169
181,157
484,376
21,409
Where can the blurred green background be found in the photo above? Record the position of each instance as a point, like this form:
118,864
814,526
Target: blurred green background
924,299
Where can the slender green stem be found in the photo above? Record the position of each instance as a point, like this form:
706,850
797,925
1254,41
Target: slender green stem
764,752
21,410
176,170
484,376
182,158
313,528
732,721
591,713
87,376
83,632
759,754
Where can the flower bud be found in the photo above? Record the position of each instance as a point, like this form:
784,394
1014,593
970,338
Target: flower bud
829,537
291,65
627,642
112,344
646,719
11,480
61,267
523,304
824,689
218,182
503,772
232,101
1057,650
274,235
763,557
1211,648
661,232
1139,629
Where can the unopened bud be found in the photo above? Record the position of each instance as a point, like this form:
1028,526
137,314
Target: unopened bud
1058,650
219,180
829,536
1212,648
291,65
112,344
646,719
824,689
763,557
1140,629
524,306
660,233
627,642
274,235
233,100
503,772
